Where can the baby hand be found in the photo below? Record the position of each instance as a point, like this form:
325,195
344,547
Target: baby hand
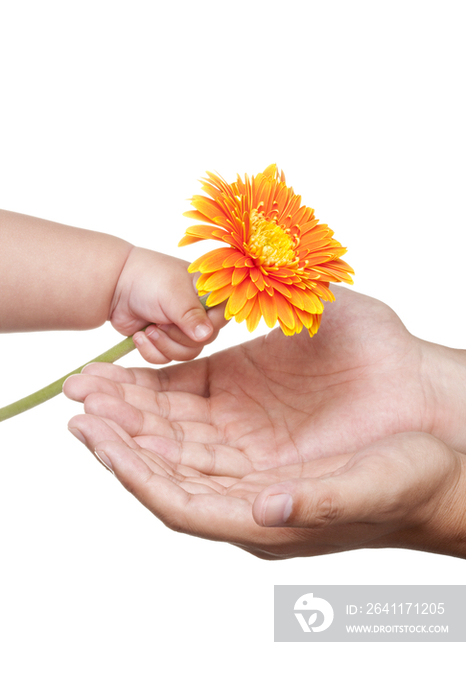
156,290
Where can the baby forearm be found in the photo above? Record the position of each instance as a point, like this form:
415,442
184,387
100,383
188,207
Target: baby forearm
55,277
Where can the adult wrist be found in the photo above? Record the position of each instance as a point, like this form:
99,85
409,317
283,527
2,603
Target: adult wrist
438,523
444,379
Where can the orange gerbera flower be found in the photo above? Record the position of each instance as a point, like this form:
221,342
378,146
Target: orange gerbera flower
280,260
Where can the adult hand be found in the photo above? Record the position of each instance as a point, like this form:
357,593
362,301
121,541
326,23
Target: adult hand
272,404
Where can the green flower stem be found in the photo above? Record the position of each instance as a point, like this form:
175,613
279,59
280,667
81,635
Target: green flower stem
48,392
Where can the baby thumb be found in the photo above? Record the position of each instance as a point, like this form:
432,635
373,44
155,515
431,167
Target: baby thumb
188,313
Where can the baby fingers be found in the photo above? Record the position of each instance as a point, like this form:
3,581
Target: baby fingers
158,347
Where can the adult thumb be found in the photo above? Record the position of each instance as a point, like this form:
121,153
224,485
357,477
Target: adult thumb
316,503
391,480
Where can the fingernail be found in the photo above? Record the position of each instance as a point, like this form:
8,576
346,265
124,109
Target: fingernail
89,364
63,385
202,331
138,339
78,434
277,509
103,459
153,333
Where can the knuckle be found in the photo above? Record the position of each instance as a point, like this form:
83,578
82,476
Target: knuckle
324,511
155,356
163,403
178,432
163,378
139,421
181,353
192,316
174,524
192,353
210,458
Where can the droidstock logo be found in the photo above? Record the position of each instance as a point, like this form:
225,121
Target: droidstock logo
307,603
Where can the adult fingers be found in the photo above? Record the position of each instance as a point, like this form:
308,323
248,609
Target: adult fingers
137,422
91,430
182,505
207,458
192,377
172,405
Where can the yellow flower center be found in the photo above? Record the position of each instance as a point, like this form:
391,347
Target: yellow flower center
269,242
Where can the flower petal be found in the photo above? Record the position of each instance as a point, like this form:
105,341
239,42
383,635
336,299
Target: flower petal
252,290
239,274
285,329
324,292
312,303
304,217
285,313
232,259
216,280
238,298
206,206
210,262
310,225
245,311
186,240
254,317
244,261
257,278
280,287
305,317
206,232
268,307
335,271
194,214
219,295
298,325
270,170
315,324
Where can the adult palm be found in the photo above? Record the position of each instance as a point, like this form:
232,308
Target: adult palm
280,400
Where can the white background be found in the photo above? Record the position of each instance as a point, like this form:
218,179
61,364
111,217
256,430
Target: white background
109,114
